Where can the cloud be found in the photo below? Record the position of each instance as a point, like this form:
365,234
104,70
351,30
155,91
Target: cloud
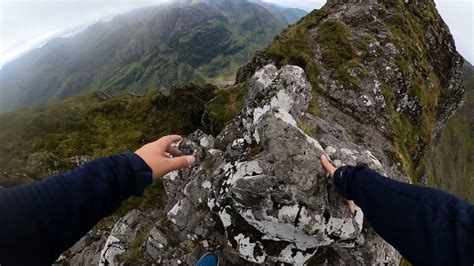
459,15
26,24
307,5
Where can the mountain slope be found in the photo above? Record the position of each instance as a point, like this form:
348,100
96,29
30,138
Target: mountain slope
400,73
450,162
39,141
290,15
145,50
373,83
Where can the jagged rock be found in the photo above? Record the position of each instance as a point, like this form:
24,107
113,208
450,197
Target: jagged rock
246,72
103,96
121,236
154,243
258,193
86,251
75,161
387,69
268,191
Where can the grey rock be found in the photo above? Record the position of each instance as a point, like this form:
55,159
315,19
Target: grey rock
86,251
276,205
386,67
76,161
258,194
155,242
121,236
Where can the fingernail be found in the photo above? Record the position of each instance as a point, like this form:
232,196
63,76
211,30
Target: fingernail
191,159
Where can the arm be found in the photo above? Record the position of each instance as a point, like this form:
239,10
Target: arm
40,221
427,226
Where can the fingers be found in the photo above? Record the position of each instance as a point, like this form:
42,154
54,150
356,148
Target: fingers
173,151
327,165
179,162
351,205
165,142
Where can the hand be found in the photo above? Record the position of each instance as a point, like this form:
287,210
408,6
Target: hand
154,155
331,170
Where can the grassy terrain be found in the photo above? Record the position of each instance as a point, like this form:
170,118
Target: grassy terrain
450,165
412,134
227,104
294,47
341,53
39,141
337,52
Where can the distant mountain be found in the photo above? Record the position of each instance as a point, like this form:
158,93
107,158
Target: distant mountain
290,15
145,50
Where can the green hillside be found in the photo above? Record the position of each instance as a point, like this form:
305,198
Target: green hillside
41,141
450,164
146,50
47,139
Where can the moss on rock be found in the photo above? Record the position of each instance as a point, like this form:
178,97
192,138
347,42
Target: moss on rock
226,105
338,54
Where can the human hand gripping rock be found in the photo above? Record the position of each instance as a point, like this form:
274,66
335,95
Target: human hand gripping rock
157,156
331,170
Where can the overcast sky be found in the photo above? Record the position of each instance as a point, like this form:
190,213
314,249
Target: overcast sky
27,24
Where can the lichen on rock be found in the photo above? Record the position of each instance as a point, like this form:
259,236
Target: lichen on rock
389,65
364,83
277,205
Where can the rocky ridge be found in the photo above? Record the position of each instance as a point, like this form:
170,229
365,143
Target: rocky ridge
385,70
258,193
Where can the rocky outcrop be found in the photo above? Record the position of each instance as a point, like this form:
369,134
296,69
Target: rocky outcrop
122,235
265,190
259,193
391,66
86,251
348,82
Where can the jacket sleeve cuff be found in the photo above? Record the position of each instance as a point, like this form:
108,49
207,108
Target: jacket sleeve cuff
143,172
342,181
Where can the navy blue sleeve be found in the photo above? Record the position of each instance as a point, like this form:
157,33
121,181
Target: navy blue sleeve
427,226
40,221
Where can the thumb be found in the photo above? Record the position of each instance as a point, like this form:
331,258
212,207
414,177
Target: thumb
327,165
180,162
